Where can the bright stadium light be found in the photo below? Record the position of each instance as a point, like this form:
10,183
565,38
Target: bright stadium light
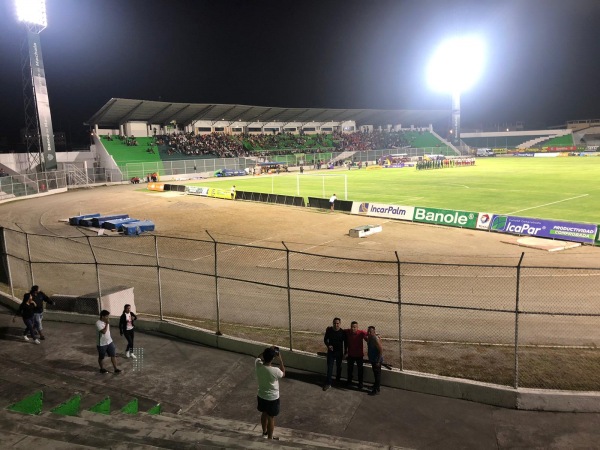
455,67
39,134
32,11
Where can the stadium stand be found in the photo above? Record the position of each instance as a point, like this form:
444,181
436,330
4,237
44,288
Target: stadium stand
130,154
560,141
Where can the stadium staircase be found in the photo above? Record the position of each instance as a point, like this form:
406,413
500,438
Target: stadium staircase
532,142
56,409
458,152
77,175
343,156
74,424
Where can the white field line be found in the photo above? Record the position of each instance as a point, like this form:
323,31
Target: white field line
232,248
551,203
350,272
304,249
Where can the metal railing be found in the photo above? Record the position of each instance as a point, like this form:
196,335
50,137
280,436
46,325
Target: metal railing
199,166
511,325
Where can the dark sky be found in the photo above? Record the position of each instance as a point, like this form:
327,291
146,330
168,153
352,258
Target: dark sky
543,56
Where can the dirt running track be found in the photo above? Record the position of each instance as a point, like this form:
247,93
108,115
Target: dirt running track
325,233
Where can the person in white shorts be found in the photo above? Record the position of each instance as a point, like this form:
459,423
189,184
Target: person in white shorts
104,342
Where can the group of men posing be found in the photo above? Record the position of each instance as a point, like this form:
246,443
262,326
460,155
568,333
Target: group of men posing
349,344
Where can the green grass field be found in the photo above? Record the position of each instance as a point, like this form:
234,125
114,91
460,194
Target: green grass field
551,188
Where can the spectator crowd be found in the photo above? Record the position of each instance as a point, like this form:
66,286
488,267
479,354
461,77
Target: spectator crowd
224,145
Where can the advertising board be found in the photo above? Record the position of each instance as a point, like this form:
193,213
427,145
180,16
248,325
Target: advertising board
448,217
196,190
567,231
483,221
382,210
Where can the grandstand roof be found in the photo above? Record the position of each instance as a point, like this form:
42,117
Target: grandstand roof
118,111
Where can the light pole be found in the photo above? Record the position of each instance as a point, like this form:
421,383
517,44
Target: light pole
38,121
454,67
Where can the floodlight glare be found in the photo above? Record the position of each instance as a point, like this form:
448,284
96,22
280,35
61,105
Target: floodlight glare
32,11
456,65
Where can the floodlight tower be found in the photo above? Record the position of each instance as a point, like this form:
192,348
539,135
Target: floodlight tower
39,135
454,68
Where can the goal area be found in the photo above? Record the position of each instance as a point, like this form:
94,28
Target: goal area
322,185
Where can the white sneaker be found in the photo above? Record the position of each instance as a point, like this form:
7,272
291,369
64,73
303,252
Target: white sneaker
133,356
25,337
127,354
37,341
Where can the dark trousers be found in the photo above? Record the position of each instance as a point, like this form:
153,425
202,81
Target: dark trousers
29,324
129,336
376,375
359,368
331,358
31,327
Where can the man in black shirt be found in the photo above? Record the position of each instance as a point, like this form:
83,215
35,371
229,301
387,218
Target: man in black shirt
39,298
336,342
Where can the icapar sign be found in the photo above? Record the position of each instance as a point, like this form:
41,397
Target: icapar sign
448,217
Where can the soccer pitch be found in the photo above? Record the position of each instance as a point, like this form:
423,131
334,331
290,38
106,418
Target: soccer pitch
551,188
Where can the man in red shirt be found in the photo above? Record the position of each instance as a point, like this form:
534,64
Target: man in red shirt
356,339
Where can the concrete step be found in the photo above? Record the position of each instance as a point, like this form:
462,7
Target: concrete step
168,431
77,431
19,440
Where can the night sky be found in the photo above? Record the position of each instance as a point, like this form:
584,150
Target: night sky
543,56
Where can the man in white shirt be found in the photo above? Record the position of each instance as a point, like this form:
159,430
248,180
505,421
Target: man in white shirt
268,388
104,342
332,200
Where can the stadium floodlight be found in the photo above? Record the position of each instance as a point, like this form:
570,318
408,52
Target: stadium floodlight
32,12
455,67
39,134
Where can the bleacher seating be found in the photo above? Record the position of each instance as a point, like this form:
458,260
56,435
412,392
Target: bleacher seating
559,141
498,141
186,146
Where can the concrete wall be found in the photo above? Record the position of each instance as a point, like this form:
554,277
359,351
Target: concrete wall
490,394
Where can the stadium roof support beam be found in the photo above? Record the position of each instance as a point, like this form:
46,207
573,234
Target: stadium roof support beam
112,114
252,119
130,113
224,114
178,112
152,118
202,113
295,118
244,110
103,112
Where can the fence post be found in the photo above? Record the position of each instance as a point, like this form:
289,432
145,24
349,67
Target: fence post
29,259
160,303
97,274
8,274
517,321
399,314
216,287
289,293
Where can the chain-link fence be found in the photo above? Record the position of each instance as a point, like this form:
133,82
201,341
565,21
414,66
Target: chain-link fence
518,326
